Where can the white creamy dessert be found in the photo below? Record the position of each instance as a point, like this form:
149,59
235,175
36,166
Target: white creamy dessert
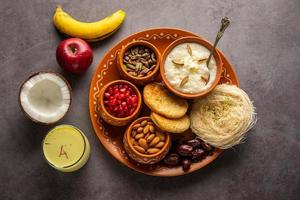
186,70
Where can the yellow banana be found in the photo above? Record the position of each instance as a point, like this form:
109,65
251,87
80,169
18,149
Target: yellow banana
90,32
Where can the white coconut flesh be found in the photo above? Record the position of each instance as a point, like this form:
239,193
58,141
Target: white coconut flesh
45,97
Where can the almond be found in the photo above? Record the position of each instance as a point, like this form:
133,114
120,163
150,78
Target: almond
140,129
133,133
204,79
144,123
177,61
136,126
132,140
154,141
150,138
147,135
161,136
143,143
138,136
139,149
151,128
160,145
150,123
201,60
189,49
184,81
153,150
146,129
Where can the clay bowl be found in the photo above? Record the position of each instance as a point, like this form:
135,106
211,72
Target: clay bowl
116,121
202,42
138,80
140,157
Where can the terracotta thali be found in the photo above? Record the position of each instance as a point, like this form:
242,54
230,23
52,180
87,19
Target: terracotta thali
111,137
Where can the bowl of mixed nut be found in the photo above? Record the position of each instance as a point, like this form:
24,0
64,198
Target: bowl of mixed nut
138,62
145,143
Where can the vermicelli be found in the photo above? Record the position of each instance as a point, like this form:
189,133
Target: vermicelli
223,117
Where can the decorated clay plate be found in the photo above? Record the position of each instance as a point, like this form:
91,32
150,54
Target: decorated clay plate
110,136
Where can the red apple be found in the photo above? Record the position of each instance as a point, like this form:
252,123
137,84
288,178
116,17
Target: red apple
74,55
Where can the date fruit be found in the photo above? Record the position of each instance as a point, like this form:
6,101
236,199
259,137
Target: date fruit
207,147
186,164
185,150
198,154
172,159
195,143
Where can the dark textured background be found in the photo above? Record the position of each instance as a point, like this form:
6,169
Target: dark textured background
263,44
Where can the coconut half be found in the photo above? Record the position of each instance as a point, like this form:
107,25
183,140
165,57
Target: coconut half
45,97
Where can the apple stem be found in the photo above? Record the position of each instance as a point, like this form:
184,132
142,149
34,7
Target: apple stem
73,49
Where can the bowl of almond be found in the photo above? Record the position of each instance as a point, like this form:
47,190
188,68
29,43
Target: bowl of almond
145,143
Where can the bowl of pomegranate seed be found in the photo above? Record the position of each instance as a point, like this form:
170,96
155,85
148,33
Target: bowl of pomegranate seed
120,102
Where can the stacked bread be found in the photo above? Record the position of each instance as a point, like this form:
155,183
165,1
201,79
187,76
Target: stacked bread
168,110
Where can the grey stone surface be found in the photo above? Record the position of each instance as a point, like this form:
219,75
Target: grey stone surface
263,44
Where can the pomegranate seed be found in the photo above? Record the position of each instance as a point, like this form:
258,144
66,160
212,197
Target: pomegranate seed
106,95
120,100
116,96
132,110
134,99
115,102
123,89
122,96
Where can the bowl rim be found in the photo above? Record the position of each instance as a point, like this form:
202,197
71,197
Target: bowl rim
142,43
136,90
202,42
128,132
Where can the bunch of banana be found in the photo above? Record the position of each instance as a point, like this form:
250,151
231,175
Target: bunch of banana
90,32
